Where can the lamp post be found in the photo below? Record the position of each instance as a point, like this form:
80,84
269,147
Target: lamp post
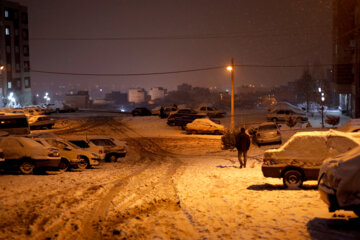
231,69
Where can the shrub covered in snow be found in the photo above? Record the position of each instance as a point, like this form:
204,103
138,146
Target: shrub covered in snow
332,120
228,140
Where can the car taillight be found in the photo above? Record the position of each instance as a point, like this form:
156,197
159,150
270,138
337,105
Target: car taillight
266,161
100,151
278,133
1,155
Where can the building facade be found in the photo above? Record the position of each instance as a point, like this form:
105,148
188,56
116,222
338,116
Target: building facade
136,95
14,53
346,54
157,93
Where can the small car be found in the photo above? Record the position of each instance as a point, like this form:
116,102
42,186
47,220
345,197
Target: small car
266,133
204,125
300,158
180,113
40,122
141,111
112,150
83,143
282,115
27,155
211,112
339,182
71,155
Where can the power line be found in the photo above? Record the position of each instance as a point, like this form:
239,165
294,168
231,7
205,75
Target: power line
173,72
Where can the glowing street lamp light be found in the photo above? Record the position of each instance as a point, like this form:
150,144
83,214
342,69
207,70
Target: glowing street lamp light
230,68
2,68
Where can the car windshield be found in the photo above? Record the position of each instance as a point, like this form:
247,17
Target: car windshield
267,127
102,142
80,143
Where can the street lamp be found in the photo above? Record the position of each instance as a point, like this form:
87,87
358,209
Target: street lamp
230,68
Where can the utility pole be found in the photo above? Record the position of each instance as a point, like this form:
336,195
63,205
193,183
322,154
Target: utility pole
232,125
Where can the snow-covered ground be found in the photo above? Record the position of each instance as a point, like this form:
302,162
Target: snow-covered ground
171,185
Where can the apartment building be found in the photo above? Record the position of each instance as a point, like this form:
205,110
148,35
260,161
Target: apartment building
14,53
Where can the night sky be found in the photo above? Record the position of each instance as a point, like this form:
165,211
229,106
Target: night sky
171,35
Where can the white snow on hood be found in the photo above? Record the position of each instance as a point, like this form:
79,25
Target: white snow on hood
343,174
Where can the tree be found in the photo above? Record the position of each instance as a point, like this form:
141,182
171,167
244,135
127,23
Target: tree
306,88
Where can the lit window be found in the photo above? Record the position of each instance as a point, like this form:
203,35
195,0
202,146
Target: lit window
9,85
27,82
7,31
6,14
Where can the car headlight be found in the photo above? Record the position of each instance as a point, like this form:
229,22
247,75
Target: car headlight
54,153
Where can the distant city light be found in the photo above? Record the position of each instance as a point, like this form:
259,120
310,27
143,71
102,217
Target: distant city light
229,68
323,99
101,90
319,89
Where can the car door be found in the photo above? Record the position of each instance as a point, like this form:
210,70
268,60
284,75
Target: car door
12,148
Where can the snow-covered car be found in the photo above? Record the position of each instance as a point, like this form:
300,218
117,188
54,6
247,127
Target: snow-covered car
267,132
40,121
353,125
211,111
71,155
204,125
282,115
27,155
300,158
339,182
112,150
83,143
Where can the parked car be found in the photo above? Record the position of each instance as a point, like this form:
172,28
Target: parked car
15,124
112,150
182,121
167,110
211,112
27,155
339,182
71,155
83,143
282,115
204,125
300,158
141,111
180,113
353,125
267,132
40,121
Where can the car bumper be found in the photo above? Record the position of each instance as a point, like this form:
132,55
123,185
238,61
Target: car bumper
272,171
269,139
328,195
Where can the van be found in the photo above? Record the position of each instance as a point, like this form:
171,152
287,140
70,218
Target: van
14,124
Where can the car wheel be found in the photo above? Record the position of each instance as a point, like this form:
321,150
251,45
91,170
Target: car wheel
274,119
49,126
64,165
27,167
112,157
292,179
82,164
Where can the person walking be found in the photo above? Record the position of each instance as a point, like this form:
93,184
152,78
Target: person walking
242,145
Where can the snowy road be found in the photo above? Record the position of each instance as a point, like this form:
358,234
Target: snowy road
170,185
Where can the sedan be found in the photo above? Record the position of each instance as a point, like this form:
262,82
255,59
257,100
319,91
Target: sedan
204,125
141,111
339,182
300,158
268,132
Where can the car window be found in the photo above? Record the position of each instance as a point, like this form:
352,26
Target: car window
340,144
280,112
102,142
210,109
203,108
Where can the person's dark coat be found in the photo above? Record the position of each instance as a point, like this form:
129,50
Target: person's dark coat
242,142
